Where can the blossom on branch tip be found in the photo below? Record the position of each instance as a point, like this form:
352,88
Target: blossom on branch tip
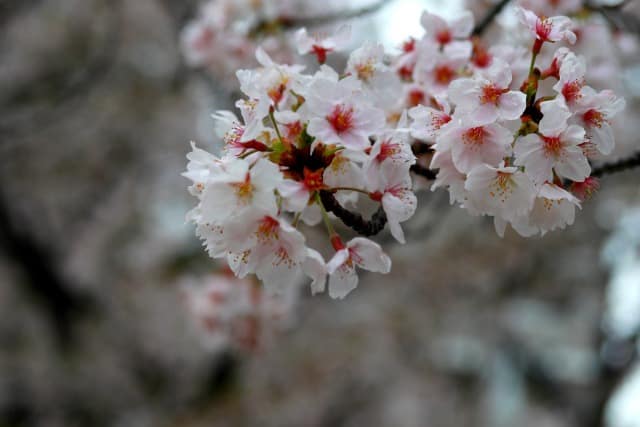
553,29
320,45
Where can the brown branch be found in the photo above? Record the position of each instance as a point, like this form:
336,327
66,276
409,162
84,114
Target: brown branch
424,172
353,220
618,166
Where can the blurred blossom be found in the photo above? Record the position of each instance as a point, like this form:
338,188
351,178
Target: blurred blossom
235,314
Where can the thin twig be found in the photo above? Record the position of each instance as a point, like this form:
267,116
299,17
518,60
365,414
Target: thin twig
495,10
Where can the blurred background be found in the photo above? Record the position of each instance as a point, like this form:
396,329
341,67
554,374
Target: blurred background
110,308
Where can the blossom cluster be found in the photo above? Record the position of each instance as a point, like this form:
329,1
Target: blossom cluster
307,145
508,137
510,140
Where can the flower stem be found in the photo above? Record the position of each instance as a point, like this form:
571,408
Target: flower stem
296,218
247,154
275,125
325,217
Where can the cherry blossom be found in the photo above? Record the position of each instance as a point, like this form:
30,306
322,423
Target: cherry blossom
427,120
472,144
443,32
551,29
340,115
268,246
595,112
505,136
487,98
571,80
502,191
436,69
398,201
553,208
556,148
358,252
239,187
320,44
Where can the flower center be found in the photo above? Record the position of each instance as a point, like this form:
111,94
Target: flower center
283,257
481,56
552,145
320,52
233,135
267,230
443,74
276,92
502,186
444,36
548,204
474,136
244,190
293,129
491,94
406,72
313,180
416,97
593,118
439,120
543,28
341,118
409,45
571,90
365,71
387,149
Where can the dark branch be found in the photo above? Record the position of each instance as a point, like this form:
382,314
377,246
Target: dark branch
495,10
619,166
424,172
353,220
419,148
44,281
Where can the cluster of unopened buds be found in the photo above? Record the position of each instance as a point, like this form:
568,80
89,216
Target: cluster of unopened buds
507,137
